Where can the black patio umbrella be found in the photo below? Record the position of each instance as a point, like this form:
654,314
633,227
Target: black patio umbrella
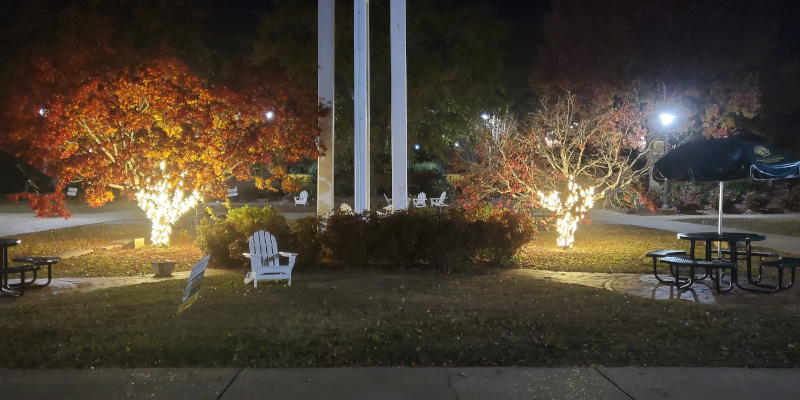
725,160
17,176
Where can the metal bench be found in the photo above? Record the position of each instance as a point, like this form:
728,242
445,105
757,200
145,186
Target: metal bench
41,262
18,289
657,254
761,256
676,263
781,264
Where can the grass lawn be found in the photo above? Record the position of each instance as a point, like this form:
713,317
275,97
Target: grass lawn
328,318
390,319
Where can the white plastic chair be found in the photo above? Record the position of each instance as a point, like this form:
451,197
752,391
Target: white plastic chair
421,200
301,200
439,202
265,260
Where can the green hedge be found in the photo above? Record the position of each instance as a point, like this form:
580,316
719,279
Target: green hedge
452,241
447,242
225,239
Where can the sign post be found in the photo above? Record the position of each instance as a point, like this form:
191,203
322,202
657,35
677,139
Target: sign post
192,291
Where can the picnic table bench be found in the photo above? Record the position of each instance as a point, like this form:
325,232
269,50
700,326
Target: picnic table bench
32,265
781,264
676,263
658,254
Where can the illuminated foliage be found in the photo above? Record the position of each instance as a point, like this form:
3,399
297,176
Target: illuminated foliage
571,153
158,133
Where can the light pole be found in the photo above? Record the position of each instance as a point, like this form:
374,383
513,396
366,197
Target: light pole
666,120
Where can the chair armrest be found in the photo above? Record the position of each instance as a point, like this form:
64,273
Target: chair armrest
285,254
249,255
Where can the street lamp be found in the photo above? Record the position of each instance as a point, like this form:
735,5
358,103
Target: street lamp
666,120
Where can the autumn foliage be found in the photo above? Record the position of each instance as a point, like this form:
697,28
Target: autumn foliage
156,123
573,151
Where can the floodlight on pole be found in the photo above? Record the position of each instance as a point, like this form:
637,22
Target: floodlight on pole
666,118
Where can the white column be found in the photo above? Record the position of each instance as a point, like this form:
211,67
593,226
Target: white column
361,94
325,54
399,105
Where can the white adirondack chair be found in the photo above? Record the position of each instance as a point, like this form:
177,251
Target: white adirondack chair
421,200
439,202
265,260
301,200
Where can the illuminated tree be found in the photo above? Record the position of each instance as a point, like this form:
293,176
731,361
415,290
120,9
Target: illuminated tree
571,153
159,134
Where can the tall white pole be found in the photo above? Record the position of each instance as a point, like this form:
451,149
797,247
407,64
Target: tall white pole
399,105
325,54
361,94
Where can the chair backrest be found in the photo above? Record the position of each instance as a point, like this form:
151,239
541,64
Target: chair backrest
263,243
345,208
421,196
303,195
387,199
441,198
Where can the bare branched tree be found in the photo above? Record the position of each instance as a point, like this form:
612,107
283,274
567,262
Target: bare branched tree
571,153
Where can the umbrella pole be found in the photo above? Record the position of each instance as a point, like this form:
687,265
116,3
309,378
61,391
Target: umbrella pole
719,220
719,214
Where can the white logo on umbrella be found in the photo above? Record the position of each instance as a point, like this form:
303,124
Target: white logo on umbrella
761,151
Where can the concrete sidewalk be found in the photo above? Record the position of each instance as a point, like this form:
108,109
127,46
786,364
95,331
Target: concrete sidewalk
19,223
403,383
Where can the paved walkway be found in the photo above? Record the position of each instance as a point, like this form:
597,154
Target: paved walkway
780,243
404,383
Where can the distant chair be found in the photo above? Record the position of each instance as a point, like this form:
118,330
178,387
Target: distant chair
265,260
439,202
301,200
421,200
345,208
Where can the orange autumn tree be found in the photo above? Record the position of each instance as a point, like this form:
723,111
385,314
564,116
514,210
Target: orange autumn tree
161,135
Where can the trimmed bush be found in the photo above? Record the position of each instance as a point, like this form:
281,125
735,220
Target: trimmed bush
789,198
687,198
306,241
226,239
756,201
445,242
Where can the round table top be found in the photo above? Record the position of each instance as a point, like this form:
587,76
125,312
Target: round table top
724,236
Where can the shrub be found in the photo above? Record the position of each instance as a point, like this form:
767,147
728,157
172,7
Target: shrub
652,199
508,232
226,239
447,242
403,238
756,201
306,241
789,198
730,198
687,198
349,238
